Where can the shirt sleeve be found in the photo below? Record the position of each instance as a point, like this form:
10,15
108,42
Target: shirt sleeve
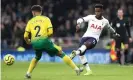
84,19
109,27
128,28
49,28
27,29
49,23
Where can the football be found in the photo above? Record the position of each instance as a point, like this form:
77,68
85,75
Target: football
9,59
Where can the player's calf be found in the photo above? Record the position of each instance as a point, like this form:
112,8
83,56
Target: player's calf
70,63
33,64
83,60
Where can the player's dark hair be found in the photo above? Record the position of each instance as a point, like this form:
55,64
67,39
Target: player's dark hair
37,8
99,6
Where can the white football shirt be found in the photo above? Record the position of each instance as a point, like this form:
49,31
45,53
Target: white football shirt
95,26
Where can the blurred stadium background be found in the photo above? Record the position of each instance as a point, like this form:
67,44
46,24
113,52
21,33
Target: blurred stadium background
63,14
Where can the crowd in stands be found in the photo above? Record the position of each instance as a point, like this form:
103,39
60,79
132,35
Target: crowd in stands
63,14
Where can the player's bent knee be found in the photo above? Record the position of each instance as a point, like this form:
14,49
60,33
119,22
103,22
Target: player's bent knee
61,54
58,48
38,57
87,44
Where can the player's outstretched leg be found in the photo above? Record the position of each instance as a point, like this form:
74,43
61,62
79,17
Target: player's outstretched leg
86,43
83,60
33,64
79,51
69,62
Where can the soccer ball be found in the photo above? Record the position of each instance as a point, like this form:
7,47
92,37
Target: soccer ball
9,59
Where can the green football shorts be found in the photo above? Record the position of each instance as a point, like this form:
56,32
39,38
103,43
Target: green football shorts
45,44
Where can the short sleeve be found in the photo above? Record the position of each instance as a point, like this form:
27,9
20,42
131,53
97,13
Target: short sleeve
87,18
49,24
107,23
84,19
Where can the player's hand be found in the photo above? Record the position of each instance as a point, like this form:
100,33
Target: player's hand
130,40
28,42
112,40
77,27
117,35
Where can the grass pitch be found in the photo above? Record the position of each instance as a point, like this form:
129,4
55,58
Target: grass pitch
60,71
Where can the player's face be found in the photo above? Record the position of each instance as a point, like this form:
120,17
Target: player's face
120,13
98,12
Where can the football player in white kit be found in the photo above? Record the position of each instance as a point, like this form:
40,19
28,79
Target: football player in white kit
96,23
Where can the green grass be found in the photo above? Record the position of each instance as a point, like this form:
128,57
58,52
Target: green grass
59,71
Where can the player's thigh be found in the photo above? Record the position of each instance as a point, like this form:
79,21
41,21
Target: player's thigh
38,54
118,44
40,43
125,42
90,42
53,50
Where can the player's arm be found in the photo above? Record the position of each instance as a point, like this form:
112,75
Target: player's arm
50,28
27,33
128,31
84,19
112,30
81,20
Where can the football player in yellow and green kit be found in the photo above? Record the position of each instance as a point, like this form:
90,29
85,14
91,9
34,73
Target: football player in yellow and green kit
41,29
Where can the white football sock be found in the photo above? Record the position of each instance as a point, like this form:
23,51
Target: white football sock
77,52
82,49
28,73
76,68
83,60
87,67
